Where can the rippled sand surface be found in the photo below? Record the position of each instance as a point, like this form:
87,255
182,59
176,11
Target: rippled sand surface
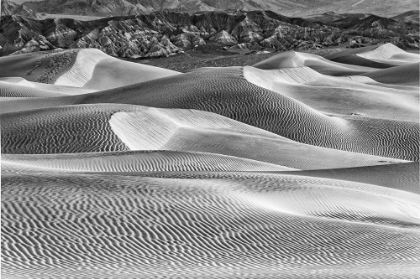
296,167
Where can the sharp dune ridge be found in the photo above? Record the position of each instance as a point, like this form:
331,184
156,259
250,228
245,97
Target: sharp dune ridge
383,56
298,167
111,128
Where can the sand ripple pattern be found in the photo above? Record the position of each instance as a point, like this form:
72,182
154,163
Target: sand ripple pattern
60,130
205,225
141,161
225,91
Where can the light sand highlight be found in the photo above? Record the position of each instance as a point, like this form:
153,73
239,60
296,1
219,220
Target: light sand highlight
93,69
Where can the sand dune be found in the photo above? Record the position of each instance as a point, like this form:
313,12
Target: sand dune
354,95
99,128
397,176
383,56
20,87
140,161
88,68
227,92
95,70
292,59
60,130
13,90
405,74
205,225
299,167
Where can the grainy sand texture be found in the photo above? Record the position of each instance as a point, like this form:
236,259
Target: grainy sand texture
299,166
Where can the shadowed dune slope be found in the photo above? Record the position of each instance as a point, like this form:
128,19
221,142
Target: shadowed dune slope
226,92
405,74
292,59
255,225
140,161
60,130
97,128
88,68
397,176
383,56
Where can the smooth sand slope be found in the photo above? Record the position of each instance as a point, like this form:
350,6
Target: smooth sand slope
20,87
397,176
405,75
140,161
88,68
382,56
105,128
227,92
213,225
293,59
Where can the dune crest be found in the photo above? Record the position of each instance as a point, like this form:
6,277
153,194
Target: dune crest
292,59
92,70
383,56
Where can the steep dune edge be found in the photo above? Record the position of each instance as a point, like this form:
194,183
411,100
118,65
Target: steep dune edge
94,69
88,68
237,223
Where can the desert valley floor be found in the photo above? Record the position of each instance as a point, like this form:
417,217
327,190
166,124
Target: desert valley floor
299,166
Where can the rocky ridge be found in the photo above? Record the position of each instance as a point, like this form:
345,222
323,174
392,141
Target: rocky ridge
11,8
167,33
291,8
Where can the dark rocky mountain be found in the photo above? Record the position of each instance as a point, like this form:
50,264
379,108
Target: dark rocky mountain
297,8
167,33
11,8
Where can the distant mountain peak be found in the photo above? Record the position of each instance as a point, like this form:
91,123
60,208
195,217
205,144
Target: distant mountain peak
11,8
296,8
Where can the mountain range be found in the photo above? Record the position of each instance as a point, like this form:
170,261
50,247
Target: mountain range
297,8
166,33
